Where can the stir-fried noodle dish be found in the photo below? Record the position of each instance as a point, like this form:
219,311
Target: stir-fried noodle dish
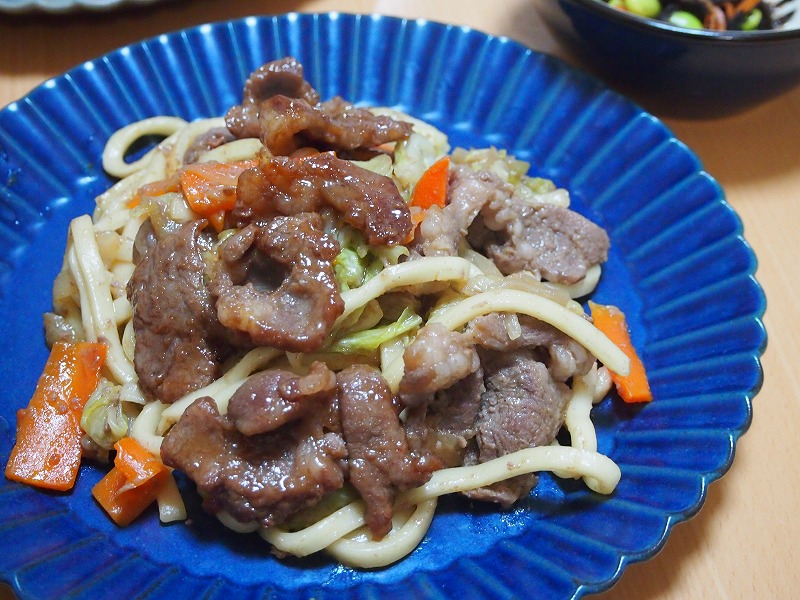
325,318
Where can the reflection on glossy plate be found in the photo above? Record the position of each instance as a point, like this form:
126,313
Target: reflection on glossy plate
64,6
678,267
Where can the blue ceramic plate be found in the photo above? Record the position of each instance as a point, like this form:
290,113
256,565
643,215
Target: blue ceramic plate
679,268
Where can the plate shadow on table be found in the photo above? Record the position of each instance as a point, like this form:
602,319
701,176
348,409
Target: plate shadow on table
653,579
744,149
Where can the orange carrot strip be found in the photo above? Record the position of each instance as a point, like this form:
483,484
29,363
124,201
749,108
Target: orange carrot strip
47,452
122,502
210,188
155,188
132,485
417,217
611,321
432,186
135,462
217,220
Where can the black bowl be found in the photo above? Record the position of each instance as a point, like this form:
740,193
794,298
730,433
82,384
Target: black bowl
674,71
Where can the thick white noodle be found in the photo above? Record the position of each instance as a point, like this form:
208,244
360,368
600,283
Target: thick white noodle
597,468
413,272
320,535
128,340
578,417
128,234
543,309
122,270
111,212
94,281
120,142
170,504
398,543
123,311
186,135
221,389
226,519
585,286
144,426
233,151
392,364
530,460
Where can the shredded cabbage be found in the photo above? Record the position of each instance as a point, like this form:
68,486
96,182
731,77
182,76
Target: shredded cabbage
380,164
370,339
103,419
358,262
413,155
348,269
533,190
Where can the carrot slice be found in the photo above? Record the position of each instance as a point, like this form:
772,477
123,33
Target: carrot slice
123,503
133,484
611,321
432,186
47,452
155,188
135,462
217,220
417,217
210,188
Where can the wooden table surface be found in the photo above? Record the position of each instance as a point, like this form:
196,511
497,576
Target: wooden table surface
745,542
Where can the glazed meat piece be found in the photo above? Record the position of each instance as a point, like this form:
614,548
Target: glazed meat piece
380,461
179,341
213,138
553,242
444,229
522,407
435,360
145,241
445,425
563,356
265,478
550,241
280,77
282,109
284,186
289,123
299,313
275,397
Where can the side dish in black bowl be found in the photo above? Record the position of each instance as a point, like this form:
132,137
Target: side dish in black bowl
676,70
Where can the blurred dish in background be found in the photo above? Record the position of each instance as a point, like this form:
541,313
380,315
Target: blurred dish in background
674,71
63,6
716,15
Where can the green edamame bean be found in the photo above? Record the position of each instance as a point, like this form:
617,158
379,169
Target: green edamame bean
644,8
752,20
682,18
